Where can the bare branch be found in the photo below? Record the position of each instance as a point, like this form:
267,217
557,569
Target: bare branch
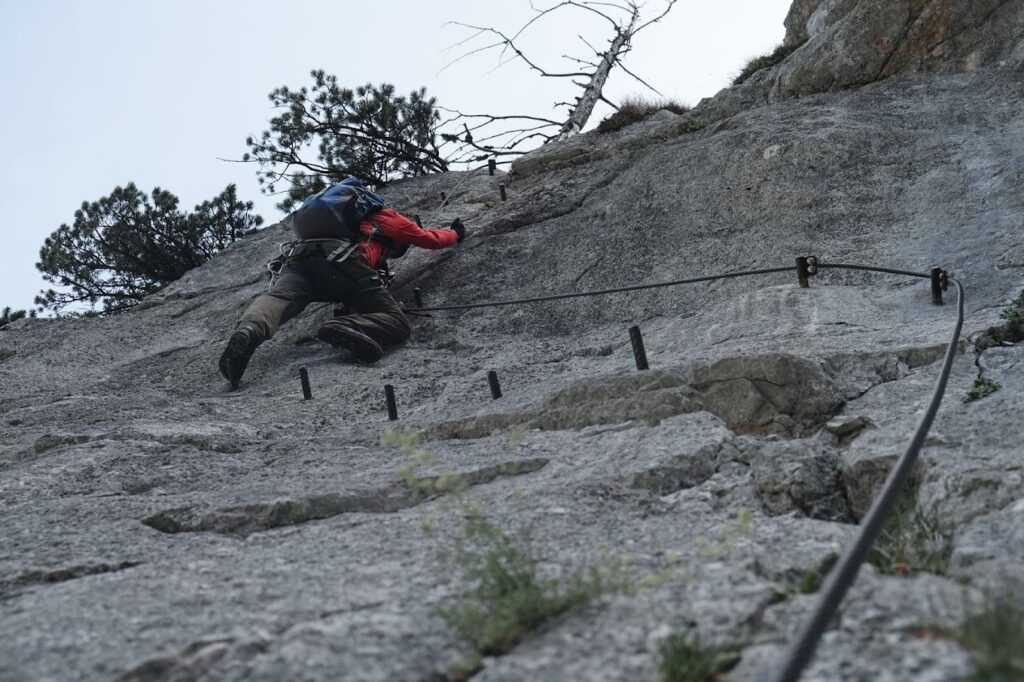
641,80
498,118
580,61
596,51
469,137
508,45
668,6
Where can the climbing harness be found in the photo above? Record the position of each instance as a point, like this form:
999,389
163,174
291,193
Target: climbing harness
287,250
386,274
277,264
842,576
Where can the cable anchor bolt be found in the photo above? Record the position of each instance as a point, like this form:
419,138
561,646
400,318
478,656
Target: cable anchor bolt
806,266
940,283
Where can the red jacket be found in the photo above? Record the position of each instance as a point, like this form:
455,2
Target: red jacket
404,231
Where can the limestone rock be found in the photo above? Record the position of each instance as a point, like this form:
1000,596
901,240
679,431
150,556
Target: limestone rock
799,477
777,393
311,534
855,42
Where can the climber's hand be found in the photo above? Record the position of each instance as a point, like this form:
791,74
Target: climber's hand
459,229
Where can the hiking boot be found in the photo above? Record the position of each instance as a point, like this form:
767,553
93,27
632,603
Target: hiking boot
341,334
235,357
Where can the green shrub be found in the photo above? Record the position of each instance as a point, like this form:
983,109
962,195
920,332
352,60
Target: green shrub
982,387
809,581
764,61
1010,331
993,635
681,658
911,542
506,598
635,109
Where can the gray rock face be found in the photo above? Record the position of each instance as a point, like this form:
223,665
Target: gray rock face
855,42
778,393
799,477
159,527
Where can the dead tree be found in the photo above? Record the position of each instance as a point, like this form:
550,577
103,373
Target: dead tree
590,73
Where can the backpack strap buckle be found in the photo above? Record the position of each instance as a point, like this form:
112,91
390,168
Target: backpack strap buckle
342,252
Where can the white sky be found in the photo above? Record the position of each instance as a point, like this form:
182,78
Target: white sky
101,93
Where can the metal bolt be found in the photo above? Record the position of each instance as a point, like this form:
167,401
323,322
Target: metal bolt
492,165
637,340
937,274
416,217
801,272
501,188
417,296
444,197
492,380
307,392
389,396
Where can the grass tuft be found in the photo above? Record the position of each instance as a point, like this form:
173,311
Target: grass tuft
982,387
506,597
911,542
809,582
992,634
1010,332
681,658
764,61
635,109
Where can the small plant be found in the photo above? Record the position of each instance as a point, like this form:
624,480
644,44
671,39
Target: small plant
993,635
507,598
764,61
515,437
1010,331
681,658
694,123
421,487
808,583
464,668
729,536
637,109
911,542
982,387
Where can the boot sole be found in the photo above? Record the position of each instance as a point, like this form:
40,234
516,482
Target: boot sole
361,346
234,359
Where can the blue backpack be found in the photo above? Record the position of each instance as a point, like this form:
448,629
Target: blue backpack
349,201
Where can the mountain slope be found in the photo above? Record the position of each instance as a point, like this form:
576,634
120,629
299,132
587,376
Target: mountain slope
157,526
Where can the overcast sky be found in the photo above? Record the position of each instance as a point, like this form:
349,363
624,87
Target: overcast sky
101,93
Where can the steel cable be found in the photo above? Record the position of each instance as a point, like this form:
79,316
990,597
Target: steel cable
871,268
842,575
598,292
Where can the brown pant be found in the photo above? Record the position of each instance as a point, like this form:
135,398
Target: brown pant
308,277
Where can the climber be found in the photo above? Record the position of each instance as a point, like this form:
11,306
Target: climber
332,264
